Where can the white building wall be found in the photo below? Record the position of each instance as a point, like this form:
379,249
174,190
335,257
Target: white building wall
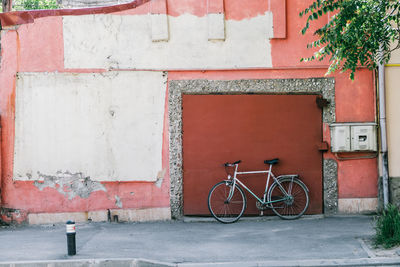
125,42
107,126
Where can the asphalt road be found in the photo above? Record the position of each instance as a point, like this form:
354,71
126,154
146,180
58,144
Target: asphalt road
178,242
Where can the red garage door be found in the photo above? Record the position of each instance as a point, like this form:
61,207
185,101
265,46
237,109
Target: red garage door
251,128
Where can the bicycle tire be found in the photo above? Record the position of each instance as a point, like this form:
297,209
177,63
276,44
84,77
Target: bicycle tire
294,207
221,210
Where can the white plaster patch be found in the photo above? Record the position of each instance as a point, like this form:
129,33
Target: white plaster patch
114,41
216,26
108,127
159,27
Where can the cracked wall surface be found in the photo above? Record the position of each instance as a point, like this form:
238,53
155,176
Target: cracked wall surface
69,184
323,86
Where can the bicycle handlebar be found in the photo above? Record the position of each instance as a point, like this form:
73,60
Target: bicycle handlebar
227,164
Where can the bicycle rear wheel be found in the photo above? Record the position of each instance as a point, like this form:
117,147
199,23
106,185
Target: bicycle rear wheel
223,210
290,203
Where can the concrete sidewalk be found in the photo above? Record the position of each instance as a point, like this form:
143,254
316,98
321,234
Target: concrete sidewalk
314,241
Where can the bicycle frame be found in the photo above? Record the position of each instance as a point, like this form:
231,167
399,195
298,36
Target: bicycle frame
262,201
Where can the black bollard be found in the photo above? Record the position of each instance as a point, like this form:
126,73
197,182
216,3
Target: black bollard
71,232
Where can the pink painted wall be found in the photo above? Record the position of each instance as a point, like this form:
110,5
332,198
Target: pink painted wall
38,47
23,51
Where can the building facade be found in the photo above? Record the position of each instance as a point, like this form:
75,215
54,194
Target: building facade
130,110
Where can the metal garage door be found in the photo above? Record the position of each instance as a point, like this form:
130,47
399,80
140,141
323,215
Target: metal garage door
251,128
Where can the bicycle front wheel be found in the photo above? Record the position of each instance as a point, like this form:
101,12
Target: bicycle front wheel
289,198
224,210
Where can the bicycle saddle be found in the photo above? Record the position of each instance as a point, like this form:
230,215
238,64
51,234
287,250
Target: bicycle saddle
232,164
271,161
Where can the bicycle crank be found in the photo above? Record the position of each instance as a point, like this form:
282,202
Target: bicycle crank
261,206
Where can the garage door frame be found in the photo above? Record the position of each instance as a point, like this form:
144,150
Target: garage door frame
323,86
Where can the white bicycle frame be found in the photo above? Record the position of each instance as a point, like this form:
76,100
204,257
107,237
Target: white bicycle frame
262,201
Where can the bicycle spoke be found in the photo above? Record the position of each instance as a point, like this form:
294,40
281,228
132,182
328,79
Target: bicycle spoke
223,210
296,202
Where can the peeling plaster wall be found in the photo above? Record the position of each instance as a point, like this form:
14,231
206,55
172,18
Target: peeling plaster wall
114,41
69,184
107,127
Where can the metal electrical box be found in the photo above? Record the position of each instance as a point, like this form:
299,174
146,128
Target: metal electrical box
353,137
340,138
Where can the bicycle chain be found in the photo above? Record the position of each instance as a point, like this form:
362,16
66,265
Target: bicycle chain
261,206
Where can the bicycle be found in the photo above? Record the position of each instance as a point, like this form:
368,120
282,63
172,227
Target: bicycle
287,196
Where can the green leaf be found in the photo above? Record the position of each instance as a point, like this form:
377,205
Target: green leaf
354,34
35,4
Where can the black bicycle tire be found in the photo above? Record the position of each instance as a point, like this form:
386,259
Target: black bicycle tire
275,210
218,218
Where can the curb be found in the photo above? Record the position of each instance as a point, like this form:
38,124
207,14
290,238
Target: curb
303,263
151,263
195,219
89,262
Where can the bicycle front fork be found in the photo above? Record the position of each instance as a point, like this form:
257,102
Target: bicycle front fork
231,191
